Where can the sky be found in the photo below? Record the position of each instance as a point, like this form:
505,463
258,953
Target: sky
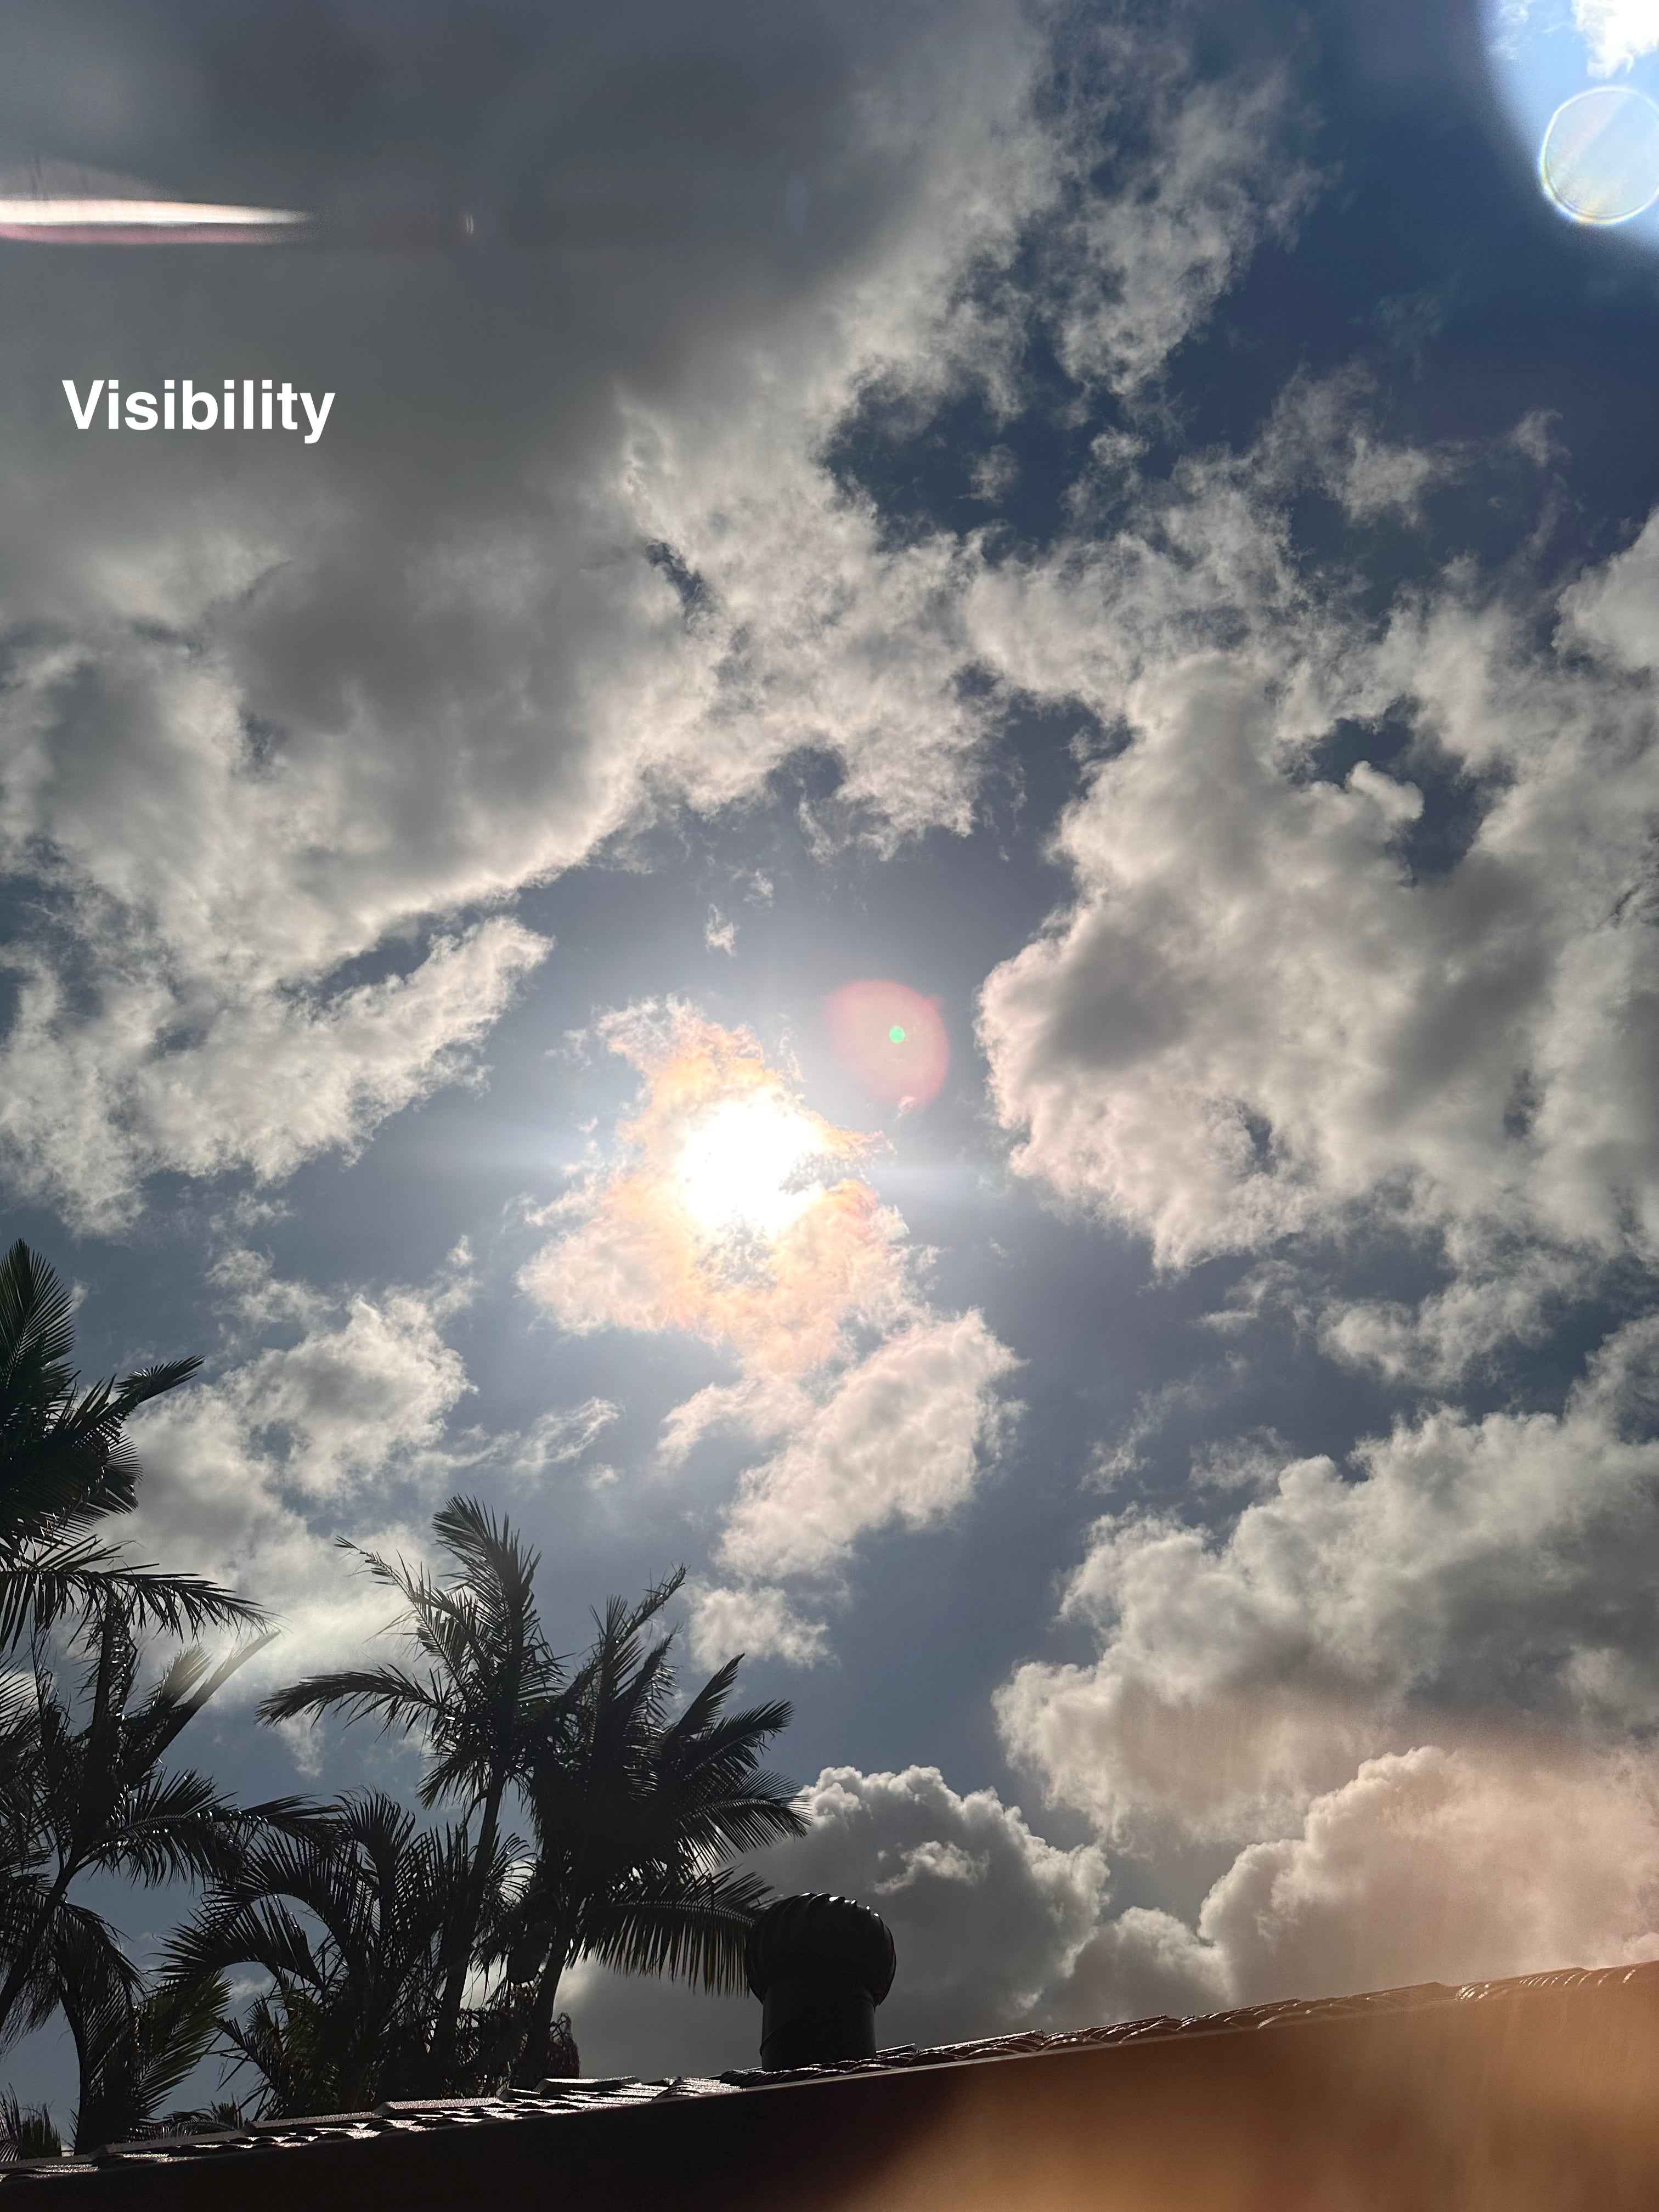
916,865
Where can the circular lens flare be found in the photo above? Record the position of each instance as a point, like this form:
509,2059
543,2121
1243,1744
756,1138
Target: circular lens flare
890,1039
1599,159
741,1168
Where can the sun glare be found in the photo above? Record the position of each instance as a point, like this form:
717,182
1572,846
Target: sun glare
736,1170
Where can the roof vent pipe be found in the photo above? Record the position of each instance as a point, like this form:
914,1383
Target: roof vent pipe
820,1965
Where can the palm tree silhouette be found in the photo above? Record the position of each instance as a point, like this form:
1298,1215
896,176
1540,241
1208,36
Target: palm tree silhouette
95,1796
65,1464
134,2048
356,1970
484,1679
635,1813
636,1817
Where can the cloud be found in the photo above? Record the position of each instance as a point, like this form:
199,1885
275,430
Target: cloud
1429,1865
555,1439
902,1437
1290,999
985,1916
249,1477
1453,1331
1617,32
1512,1856
727,1213
1602,611
570,555
984,1913
751,1622
267,1080
1138,270
1458,1567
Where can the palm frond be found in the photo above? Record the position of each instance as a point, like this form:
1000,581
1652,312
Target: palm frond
65,1463
390,1694
51,1581
134,2047
694,1934
27,2131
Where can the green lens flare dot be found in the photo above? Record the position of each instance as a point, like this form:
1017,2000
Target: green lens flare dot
896,1035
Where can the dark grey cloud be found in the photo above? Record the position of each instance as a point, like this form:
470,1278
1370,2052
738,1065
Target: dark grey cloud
360,693
356,692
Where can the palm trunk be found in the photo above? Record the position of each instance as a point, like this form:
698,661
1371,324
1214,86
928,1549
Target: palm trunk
442,2061
539,2035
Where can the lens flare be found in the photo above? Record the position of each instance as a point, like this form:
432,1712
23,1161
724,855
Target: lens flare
52,203
145,223
1599,159
890,1039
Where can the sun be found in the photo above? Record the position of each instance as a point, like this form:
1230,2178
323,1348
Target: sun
739,1171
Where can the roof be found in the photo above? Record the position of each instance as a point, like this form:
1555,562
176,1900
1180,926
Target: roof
1547,2022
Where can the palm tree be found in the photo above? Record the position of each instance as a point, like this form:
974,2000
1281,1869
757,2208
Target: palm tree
483,1680
357,1971
27,2131
95,1796
636,1815
636,1818
22,1844
65,1464
134,2048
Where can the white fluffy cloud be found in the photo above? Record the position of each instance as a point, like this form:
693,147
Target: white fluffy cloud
727,1210
1617,32
656,1236
1515,1855
754,1620
1510,1856
1409,1686
267,1081
343,1428
901,1437
1432,1865
1258,1017
1458,1567
1141,269
345,1424
986,1916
